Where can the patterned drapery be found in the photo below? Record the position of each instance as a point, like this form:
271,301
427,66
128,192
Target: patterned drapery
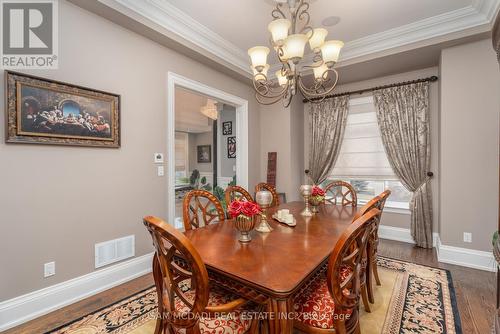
403,118
327,121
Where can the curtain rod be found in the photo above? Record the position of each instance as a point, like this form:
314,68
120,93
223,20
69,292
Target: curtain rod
361,91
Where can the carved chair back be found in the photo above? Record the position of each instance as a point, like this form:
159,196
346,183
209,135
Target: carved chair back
236,192
201,208
373,203
342,193
182,286
383,198
271,189
350,255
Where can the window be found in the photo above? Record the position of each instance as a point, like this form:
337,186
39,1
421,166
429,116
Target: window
362,160
181,158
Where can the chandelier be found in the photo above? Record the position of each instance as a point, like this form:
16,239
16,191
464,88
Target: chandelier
210,109
289,35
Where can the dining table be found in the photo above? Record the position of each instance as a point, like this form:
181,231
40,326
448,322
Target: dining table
272,267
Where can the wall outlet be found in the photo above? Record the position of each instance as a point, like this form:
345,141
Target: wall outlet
467,237
49,269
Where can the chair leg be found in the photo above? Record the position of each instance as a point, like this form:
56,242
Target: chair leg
375,272
364,295
340,326
369,282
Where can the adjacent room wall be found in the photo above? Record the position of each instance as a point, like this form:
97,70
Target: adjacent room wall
57,202
401,220
195,140
227,165
470,87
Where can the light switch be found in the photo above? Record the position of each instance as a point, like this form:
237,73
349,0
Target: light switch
161,171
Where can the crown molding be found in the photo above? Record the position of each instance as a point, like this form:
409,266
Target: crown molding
474,19
176,21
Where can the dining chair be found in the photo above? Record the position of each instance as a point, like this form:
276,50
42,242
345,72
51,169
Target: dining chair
373,241
329,302
370,266
201,208
271,189
186,303
236,192
340,192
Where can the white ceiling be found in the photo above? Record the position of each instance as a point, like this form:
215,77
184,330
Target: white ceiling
188,117
244,22
219,32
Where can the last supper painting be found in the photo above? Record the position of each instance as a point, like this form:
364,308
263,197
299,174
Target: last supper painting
48,112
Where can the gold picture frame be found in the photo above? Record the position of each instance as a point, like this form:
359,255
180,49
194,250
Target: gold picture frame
43,111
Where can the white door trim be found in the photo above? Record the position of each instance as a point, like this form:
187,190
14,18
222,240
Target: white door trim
241,105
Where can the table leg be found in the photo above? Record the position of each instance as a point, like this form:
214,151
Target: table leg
280,316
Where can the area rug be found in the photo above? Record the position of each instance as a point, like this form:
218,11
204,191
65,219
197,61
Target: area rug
412,299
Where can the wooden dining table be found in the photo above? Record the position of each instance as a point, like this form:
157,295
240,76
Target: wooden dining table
271,268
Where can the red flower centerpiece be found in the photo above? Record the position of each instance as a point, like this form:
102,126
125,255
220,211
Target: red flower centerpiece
317,197
245,214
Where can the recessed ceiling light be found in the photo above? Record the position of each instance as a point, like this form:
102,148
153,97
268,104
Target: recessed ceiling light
330,21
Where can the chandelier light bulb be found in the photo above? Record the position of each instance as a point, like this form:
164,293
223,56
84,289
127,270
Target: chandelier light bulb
294,47
282,79
279,30
262,75
319,72
317,39
330,51
258,55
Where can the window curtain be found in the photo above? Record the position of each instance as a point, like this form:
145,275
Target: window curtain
327,122
403,118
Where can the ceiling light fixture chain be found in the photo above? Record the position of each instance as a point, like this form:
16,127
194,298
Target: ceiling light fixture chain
289,36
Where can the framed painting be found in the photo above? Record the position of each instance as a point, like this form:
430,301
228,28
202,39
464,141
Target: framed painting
227,128
204,153
231,147
42,111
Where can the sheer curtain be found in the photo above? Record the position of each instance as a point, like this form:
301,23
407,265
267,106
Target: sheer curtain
403,118
327,122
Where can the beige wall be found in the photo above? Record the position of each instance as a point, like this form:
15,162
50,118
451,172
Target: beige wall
282,132
470,88
391,218
57,202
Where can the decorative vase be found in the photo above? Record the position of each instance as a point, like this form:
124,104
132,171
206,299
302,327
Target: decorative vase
314,202
245,224
264,198
305,191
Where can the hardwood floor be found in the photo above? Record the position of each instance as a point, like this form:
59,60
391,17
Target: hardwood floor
475,292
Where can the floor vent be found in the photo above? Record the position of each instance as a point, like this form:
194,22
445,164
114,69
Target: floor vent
114,250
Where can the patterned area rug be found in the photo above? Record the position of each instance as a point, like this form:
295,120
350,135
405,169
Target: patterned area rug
412,299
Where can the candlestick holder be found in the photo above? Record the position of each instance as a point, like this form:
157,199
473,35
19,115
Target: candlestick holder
264,198
306,191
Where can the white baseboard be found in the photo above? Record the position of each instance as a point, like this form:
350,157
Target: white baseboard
464,257
18,310
401,234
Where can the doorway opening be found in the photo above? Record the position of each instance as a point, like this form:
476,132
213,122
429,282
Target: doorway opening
207,142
